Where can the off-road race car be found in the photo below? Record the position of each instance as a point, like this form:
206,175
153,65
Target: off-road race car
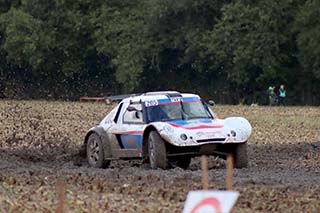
166,129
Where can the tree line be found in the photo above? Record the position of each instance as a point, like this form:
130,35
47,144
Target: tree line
227,50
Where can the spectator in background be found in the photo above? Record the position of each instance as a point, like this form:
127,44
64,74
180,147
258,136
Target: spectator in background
272,96
282,95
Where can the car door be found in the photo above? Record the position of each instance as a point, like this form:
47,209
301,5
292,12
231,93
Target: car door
128,126
132,127
111,125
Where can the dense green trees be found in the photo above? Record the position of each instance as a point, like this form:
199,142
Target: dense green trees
228,50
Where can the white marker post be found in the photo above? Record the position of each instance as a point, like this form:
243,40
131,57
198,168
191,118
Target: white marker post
209,200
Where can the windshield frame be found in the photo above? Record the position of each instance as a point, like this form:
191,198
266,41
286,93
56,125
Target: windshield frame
181,102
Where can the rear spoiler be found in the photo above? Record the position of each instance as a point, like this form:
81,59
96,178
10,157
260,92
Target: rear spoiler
95,99
118,98
109,99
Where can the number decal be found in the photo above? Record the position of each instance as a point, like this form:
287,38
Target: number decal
151,103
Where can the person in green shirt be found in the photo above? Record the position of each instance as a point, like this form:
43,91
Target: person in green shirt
272,95
282,95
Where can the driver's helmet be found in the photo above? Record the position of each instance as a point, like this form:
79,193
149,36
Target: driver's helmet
157,114
173,111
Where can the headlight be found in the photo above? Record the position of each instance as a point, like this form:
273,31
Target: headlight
183,137
233,133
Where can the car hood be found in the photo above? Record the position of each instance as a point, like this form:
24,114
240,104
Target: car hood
197,124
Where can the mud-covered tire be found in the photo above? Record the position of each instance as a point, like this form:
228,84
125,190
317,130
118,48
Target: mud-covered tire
157,151
241,156
95,152
181,161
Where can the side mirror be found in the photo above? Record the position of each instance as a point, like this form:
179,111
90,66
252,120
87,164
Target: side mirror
137,114
132,109
211,102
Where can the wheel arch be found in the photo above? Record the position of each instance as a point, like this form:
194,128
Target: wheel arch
145,139
83,149
104,139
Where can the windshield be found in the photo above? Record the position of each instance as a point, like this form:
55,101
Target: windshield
177,111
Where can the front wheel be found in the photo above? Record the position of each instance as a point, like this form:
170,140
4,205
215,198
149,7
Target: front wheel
241,156
157,151
95,152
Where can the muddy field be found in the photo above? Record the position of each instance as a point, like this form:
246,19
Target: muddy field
39,142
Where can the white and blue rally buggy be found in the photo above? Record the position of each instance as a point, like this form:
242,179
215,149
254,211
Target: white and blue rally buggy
167,129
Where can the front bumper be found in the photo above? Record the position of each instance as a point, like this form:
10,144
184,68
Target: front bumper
217,149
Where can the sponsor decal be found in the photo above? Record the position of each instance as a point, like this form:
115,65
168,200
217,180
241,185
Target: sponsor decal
168,129
207,134
176,100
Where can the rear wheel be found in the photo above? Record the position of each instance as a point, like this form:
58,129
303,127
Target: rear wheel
95,152
157,151
241,156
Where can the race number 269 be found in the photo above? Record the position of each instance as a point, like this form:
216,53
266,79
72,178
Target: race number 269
151,103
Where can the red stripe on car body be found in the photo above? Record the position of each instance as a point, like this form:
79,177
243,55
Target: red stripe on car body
131,133
197,127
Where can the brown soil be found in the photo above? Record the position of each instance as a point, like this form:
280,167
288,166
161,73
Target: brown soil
39,143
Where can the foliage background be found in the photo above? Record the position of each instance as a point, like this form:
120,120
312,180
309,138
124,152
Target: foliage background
229,50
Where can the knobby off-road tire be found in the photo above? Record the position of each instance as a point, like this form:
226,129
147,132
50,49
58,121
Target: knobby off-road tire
157,151
95,152
241,156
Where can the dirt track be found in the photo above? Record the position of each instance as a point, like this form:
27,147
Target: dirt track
40,141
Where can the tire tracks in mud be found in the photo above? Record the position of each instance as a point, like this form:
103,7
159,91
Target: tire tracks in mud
40,142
